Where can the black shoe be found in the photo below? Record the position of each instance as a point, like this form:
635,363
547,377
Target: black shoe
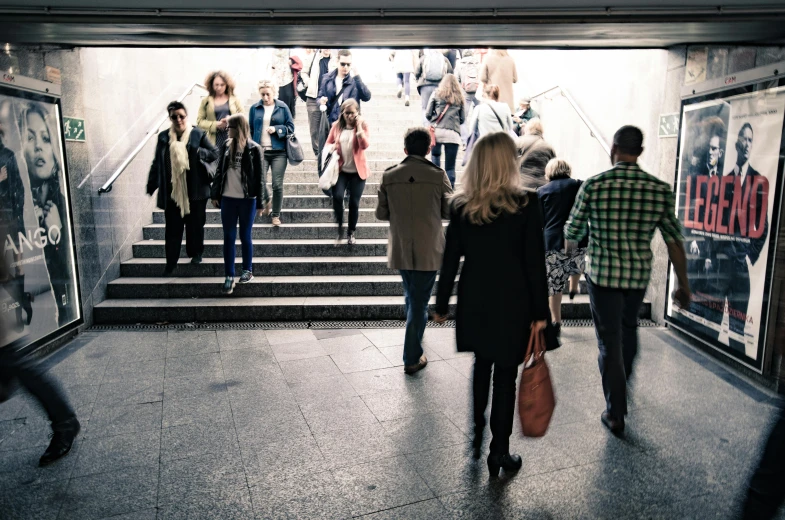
63,436
616,426
557,329
196,260
510,463
572,294
168,270
477,443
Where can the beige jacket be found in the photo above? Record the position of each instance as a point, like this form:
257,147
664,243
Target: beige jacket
205,118
413,196
500,70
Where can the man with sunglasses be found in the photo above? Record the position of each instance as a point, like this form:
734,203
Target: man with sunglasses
341,84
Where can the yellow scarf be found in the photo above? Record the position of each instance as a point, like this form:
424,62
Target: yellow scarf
178,155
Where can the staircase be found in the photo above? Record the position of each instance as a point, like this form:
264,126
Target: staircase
301,274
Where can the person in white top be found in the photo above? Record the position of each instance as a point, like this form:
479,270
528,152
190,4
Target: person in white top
491,115
404,62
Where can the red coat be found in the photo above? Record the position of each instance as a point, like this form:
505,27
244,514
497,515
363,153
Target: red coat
359,146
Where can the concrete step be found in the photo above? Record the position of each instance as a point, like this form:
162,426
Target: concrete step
312,189
238,309
260,286
322,202
288,217
287,231
265,266
279,247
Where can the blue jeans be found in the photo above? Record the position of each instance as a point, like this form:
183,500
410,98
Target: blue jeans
402,79
231,210
471,102
425,95
451,153
615,313
417,288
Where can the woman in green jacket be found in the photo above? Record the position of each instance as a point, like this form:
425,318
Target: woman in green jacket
215,109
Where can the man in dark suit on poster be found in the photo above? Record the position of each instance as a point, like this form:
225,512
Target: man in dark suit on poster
733,281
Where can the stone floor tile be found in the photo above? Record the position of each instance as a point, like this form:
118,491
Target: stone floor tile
182,479
20,467
116,420
340,344
281,459
427,509
394,354
369,358
329,389
24,433
241,339
146,514
224,502
423,432
123,371
211,408
205,365
103,454
309,369
269,427
355,445
463,364
335,333
587,442
387,379
132,391
385,337
109,494
189,343
394,404
277,337
40,501
194,386
347,413
380,485
194,439
299,350
449,469
284,496
247,360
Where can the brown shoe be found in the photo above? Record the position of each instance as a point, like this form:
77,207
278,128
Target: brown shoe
411,369
616,426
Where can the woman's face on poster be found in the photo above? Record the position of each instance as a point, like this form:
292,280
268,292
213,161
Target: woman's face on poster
39,154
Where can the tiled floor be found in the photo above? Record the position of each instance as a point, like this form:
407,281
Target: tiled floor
301,424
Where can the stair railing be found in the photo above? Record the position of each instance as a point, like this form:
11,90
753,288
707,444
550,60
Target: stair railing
153,131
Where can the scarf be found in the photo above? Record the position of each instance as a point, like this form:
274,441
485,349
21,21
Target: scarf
178,154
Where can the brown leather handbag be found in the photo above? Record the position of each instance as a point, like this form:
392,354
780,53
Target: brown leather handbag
536,400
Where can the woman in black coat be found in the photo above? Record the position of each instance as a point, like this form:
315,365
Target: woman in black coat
502,292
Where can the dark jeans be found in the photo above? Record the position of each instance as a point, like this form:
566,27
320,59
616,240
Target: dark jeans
233,210
30,375
403,81
615,313
767,486
356,186
417,289
503,406
314,117
194,230
425,95
276,161
451,153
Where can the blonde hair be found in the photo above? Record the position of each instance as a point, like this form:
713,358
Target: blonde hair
239,122
208,82
533,127
268,83
491,183
351,102
501,52
557,169
450,90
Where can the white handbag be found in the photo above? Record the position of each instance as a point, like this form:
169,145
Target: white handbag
331,169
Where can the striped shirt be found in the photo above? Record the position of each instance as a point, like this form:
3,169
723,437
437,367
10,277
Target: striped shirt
622,207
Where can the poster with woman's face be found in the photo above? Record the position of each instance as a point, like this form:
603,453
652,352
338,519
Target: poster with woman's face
38,291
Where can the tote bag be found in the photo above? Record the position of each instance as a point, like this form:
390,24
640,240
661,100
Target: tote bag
536,400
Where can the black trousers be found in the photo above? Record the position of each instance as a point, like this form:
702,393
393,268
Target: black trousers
32,377
503,405
766,491
194,230
355,185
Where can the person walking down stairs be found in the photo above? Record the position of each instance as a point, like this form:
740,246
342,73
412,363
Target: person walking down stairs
240,190
414,197
404,62
215,109
271,124
179,174
349,135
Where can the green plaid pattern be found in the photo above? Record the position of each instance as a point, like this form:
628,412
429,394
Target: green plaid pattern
622,207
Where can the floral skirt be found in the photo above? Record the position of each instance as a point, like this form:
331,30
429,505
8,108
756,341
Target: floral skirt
560,266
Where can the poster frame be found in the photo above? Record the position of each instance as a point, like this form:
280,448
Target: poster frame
36,90
755,80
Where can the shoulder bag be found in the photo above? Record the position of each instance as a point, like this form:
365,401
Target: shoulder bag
294,152
509,131
432,128
536,400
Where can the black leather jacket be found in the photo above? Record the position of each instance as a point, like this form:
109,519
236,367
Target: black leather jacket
251,171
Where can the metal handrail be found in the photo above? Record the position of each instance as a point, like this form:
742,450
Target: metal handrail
107,187
593,129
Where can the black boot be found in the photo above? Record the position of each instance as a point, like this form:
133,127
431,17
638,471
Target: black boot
477,442
63,435
510,463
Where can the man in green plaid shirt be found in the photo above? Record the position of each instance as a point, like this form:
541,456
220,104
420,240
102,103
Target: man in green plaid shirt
622,207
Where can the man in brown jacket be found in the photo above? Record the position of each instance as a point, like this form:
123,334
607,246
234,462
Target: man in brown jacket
414,196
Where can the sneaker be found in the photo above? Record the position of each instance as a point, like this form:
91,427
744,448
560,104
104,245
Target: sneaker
407,102
197,259
351,240
246,277
400,91
276,221
228,287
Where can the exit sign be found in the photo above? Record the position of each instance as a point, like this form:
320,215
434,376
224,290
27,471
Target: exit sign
669,125
74,129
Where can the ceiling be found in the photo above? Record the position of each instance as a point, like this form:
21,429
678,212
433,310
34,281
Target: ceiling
356,23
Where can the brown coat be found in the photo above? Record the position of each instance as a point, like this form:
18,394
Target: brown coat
501,71
413,196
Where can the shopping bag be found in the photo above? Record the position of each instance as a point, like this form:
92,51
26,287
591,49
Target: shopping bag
536,400
331,168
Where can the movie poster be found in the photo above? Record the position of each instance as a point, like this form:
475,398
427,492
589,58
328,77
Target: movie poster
38,288
726,201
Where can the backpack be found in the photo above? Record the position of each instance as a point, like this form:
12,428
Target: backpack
434,66
470,77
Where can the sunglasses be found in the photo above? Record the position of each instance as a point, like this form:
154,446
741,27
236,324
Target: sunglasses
342,64
177,117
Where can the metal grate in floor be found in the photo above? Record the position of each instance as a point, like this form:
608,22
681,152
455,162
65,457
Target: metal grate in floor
278,325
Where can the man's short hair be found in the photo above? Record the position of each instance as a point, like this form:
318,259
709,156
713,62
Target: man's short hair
417,141
344,52
629,139
176,105
745,126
